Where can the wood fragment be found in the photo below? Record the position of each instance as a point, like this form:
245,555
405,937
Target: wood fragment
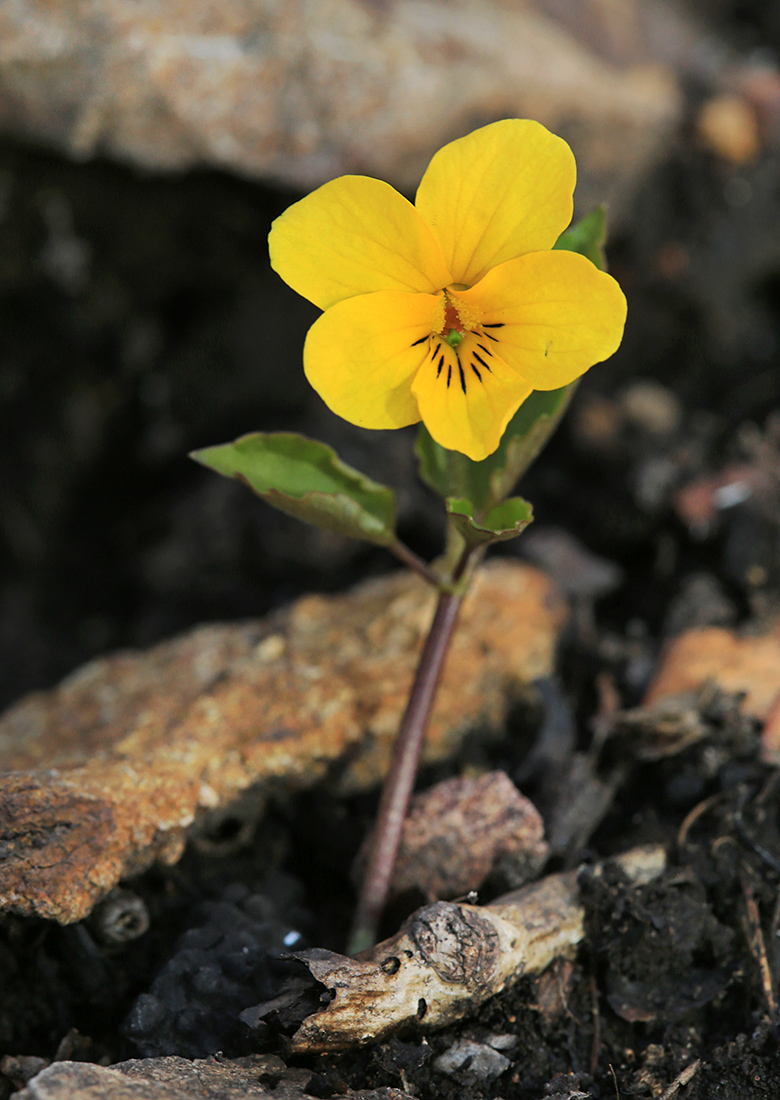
595,1013
757,945
448,959
681,1079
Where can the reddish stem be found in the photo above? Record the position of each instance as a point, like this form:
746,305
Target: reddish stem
399,783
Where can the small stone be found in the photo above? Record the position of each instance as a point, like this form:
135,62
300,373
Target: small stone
728,126
21,1068
463,830
575,569
651,407
701,601
467,1059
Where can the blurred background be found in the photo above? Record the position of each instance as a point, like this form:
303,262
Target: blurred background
145,148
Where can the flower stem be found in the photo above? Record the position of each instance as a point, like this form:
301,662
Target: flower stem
399,783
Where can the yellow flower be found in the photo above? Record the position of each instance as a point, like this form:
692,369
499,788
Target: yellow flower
453,310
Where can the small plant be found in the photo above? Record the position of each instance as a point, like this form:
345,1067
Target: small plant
473,311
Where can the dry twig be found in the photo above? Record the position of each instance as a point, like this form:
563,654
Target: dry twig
448,959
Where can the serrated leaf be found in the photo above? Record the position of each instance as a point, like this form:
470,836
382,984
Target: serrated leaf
307,479
587,237
486,483
504,521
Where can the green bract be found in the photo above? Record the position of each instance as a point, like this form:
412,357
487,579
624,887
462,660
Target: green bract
587,237
505,521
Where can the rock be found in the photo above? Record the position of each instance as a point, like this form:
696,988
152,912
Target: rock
21,1068
701,601
462,830
577,571
652,408
253,1078
736,664
106,773
469,1060
299,93
728,126
733,663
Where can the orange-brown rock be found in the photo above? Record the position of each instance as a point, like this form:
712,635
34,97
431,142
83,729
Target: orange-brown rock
106,773
749,664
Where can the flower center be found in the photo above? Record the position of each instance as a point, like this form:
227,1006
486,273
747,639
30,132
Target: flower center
456,319
460,348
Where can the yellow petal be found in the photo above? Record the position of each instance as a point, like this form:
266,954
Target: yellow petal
362,355
550,315
355,235
496,194
466,399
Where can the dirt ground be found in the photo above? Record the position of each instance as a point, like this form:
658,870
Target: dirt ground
141,320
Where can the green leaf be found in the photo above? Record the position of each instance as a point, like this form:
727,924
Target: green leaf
587,237
307,479
486,483
505,521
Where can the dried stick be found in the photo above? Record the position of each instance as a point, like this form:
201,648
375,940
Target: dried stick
448,959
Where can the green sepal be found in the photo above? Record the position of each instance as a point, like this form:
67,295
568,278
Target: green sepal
587,237
504,521
307,479
487,483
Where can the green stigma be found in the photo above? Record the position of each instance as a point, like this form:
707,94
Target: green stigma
454,337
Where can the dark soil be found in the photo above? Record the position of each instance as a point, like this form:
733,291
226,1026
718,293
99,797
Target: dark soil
140,319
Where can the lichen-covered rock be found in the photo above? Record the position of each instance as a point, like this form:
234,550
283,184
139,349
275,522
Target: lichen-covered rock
302,92
254,1078
106,773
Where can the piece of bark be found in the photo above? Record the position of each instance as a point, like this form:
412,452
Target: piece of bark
253,1078
106,773
461,831
448,959
298,92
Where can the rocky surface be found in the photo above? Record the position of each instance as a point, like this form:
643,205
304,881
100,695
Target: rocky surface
749,664
300,92
178,1079
106,773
